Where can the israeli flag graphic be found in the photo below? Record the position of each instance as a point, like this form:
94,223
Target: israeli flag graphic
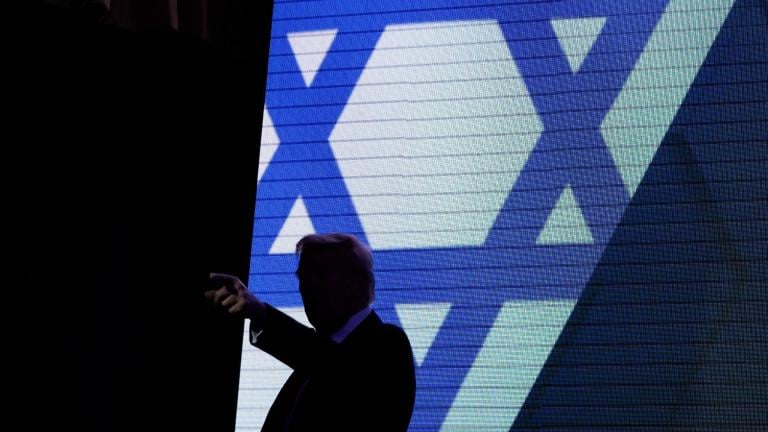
485,150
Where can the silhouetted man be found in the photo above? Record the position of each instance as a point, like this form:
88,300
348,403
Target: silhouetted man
352,372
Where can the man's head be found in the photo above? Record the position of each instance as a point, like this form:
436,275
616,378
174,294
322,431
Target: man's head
335,278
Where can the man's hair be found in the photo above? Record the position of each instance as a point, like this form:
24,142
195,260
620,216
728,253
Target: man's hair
352,258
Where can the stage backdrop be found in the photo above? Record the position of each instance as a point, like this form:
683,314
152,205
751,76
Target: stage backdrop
503,159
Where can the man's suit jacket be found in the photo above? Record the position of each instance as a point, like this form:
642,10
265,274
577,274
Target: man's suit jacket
365,383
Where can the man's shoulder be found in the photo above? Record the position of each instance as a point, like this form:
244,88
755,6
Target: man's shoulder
381,337
392,331
385,330
392,336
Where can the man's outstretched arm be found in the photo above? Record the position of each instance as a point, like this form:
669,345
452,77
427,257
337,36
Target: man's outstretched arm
232,294
291,342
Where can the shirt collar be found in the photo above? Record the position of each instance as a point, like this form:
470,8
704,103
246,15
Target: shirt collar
351,324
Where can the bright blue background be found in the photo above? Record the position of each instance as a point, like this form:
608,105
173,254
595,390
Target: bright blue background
663,291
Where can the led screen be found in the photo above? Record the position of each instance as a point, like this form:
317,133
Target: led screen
485,150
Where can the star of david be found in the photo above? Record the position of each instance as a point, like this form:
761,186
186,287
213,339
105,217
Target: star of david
572,70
